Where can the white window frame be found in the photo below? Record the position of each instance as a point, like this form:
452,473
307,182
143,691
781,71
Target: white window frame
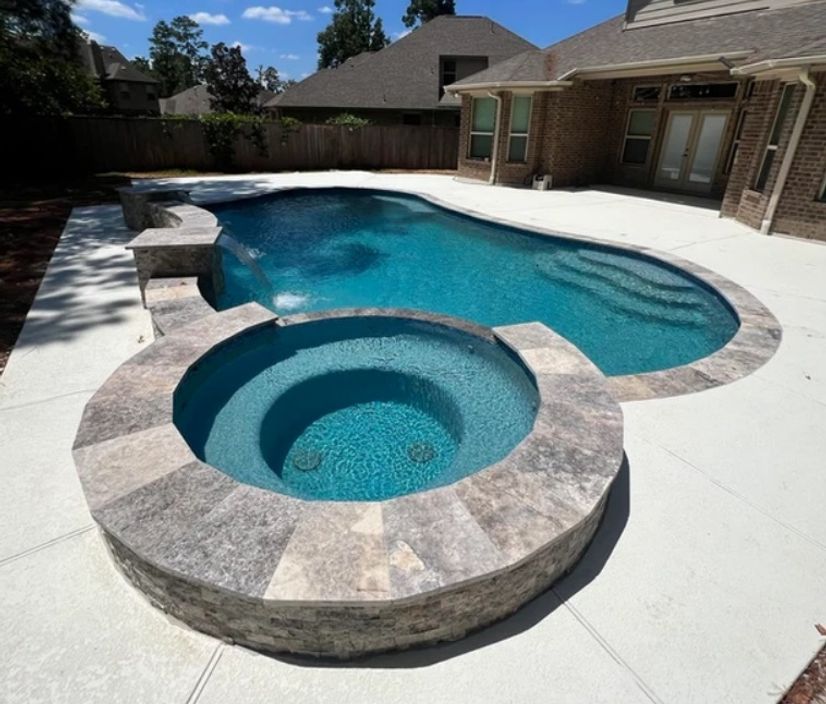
626,137
526,134
821,196
475,133
769,146
635,101
735,142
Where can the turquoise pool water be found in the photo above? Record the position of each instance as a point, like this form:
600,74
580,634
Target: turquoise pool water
355,408
335,248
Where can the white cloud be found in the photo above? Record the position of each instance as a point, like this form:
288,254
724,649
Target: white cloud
290,57
94,36
326,10
402,34
576,2
243,47
206,18
113,8
80,20
275,14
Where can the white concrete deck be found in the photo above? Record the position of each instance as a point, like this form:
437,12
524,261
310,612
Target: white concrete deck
703,585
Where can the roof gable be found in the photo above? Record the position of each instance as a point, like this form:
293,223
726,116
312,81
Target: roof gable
405,75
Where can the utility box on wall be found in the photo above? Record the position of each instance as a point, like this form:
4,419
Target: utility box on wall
542,182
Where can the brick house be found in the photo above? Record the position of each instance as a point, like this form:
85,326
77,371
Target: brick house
404,82
127,90
710,97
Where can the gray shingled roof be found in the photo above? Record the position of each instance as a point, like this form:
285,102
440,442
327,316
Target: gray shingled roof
405,75
118,68
791,31
196,101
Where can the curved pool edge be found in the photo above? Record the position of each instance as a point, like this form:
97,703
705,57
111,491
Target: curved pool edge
757,338
344,579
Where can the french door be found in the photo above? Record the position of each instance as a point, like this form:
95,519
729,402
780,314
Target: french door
691,150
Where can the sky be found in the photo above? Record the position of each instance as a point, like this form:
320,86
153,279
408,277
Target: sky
284,35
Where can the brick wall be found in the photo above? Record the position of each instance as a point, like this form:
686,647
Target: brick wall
799,211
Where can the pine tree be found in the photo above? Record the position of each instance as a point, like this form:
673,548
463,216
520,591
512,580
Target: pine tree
231,88
353,29
425,10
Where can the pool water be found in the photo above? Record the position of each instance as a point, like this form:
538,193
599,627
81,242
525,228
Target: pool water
335,248
359,408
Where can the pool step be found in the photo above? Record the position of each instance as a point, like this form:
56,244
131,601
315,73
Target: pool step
634,283
640,304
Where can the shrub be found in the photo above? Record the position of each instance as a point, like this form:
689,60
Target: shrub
347,119
222,129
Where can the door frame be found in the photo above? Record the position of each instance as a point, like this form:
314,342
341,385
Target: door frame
698,114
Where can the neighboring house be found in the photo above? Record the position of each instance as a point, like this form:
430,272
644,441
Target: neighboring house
712,97
196,101
403,83
128,91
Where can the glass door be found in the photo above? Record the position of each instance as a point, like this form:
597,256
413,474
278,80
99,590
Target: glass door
675,149
691,150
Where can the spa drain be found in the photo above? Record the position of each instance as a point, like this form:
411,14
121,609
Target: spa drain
307,460
421,452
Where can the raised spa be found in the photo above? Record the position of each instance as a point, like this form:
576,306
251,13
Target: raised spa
499,448
356,408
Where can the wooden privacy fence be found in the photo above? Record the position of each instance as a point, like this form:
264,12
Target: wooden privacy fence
99,144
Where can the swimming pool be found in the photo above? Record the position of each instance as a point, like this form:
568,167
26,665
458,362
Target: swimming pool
345,248
355,408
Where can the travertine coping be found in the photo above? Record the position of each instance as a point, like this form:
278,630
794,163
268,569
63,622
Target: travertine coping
343,579
755,342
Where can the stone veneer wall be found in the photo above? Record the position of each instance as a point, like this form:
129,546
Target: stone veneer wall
357,629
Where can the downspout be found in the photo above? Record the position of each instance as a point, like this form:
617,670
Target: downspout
494,154
791,150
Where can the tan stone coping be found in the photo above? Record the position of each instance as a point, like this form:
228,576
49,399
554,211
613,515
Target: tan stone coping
755,342
342,579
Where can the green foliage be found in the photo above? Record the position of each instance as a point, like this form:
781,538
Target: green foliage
230,85
144,66
41,71
421,11
347,119
177,54
289,125
353,29
223,129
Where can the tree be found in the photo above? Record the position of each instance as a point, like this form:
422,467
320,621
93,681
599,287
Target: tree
144,66
177,54
271,80
425,10
230,85
41,71
353,29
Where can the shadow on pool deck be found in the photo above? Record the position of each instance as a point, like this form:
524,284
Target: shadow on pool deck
587,569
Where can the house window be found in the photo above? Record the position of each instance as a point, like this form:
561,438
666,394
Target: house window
520,125
774,137
735,143
822,195
482,127
638,136
448,72
124,92
646,94
411,118
448,75
701,91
